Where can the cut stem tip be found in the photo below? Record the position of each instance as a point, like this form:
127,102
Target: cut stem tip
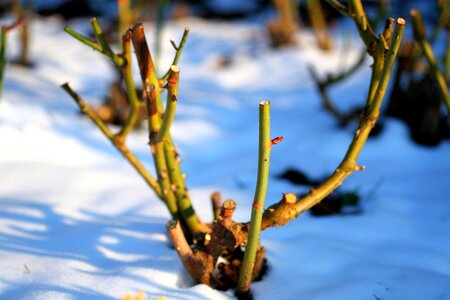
289,198
401,21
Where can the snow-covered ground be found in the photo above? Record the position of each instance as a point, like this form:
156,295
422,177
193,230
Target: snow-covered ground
76,221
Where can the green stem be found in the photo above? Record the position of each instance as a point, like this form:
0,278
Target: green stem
129,83
118,143
377,67
185,207
179,50
101,45
362,23
173,163
171,104
171,156
145,62
106,49
420,36
348,165
93,44
157,149
282,213
265,146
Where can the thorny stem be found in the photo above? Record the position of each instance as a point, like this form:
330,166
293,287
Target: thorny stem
378,62
362,23
157,150
179,50
122,62
280,213
379,56
93,44
118,61
101,45
375,47
356,11
265,146
171,104
420,37
129,83
348,165
165,156
178,185
394,46
176,176
173,162
118,143
145,62
154,109
100,37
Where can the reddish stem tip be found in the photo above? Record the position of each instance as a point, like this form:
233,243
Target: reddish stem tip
277,140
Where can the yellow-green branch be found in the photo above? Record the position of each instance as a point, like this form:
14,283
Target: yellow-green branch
179,50
282,213
118,143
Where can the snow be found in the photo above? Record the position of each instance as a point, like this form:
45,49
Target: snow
76,221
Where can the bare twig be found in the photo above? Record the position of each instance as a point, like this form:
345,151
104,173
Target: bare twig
163,150
179,50
324,84
118,143
282,213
